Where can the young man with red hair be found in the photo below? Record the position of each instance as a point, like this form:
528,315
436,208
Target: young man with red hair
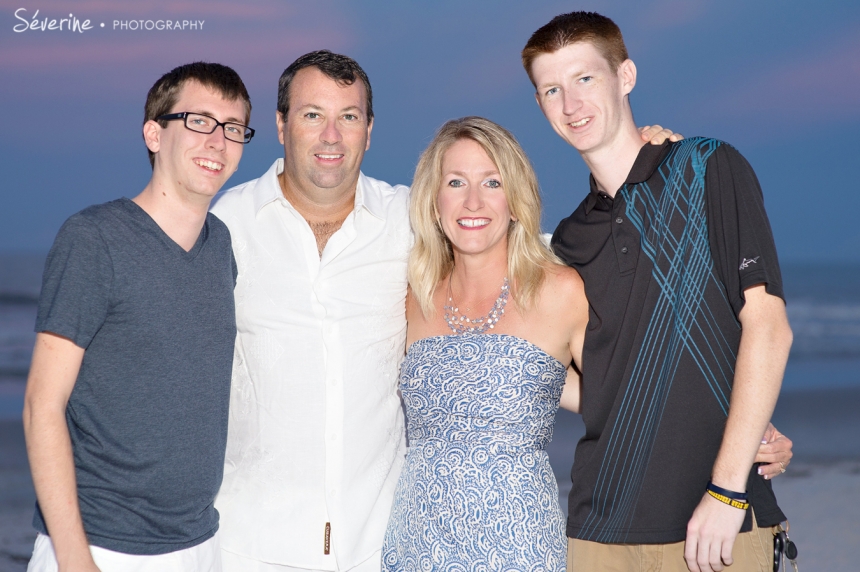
688,336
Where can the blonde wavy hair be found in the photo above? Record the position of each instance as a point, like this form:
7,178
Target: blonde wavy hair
432,258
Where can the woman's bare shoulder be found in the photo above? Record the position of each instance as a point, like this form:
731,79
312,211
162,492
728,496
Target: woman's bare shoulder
564,281
563,293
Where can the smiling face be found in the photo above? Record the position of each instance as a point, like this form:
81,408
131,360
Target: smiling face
195,165
472,206
583,99
325,134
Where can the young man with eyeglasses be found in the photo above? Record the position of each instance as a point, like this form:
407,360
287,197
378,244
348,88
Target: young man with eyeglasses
125,413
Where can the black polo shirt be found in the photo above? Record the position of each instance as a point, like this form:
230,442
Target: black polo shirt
665,265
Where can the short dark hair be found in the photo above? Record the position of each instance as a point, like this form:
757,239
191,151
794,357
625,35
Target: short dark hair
342,69
165,92
567,29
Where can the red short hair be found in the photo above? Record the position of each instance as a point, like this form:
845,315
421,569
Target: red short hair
574,27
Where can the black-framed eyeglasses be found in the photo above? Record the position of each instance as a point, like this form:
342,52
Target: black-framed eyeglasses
205,124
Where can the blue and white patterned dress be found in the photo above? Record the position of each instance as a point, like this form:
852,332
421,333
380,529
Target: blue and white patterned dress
477,491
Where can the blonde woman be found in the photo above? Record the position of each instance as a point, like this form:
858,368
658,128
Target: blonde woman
494,319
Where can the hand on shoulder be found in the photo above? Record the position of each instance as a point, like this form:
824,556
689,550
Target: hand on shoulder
657,135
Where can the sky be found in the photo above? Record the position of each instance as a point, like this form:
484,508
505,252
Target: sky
779,80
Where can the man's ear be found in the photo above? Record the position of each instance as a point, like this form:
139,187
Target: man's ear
152,135
369,129
279,122
627,75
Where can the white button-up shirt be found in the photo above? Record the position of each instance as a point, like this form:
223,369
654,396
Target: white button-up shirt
316,432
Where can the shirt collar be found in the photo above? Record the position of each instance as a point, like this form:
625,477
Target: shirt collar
268,190
650,157
369,196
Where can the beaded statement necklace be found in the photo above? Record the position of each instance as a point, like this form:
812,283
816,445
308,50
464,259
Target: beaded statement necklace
463,324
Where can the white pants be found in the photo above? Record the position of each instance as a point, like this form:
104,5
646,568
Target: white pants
236,563
205,557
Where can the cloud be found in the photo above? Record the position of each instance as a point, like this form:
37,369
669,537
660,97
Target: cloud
55,57
818,86
38,59
99,10
102,63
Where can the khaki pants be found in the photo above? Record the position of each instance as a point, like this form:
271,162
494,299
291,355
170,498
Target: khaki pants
752,552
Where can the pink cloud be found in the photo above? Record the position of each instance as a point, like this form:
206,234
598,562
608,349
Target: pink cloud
108,9
52,57
97,73
822,85
267,30
38,59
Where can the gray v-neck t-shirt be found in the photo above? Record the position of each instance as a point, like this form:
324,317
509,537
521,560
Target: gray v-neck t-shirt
148,412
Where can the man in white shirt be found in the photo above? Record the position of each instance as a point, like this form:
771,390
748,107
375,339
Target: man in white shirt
316,436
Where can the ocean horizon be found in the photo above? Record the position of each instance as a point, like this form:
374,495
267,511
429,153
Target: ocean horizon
823,302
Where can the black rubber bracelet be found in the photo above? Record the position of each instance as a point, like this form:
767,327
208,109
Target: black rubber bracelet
727,493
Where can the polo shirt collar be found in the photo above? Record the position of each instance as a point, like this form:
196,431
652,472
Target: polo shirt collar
650,157
268,190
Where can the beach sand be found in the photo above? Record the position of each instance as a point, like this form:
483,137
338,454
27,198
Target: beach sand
820,492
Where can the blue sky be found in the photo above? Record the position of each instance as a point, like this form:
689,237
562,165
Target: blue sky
777,79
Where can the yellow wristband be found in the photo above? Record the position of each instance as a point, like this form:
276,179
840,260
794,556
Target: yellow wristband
743,505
